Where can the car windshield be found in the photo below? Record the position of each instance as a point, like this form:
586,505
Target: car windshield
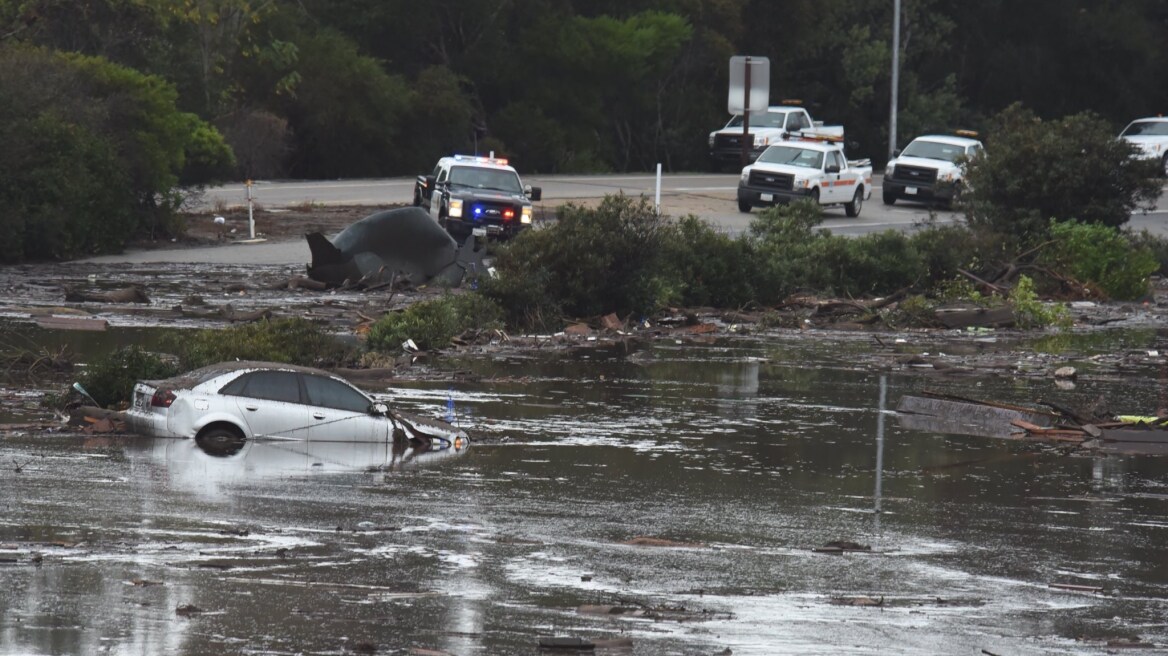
792,156
933,150
760,120
486,178
1147,129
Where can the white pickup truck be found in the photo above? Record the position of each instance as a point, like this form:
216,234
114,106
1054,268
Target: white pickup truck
805,168
930,168
1150,137
766,128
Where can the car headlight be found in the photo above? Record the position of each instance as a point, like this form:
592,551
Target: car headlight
525,215
760,142
455,208
801,183
711,140
889,168
745,177
949,176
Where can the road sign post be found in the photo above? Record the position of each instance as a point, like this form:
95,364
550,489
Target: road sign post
750,91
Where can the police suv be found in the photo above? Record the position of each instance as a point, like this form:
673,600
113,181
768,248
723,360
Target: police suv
476,195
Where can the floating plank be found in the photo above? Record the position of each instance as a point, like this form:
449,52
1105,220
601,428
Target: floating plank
72,323
962,417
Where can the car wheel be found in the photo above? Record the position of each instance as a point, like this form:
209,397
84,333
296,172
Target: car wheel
744,206
889,197
853,208
815,195
417,197
220,441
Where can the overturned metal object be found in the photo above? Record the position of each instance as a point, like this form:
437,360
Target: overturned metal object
400,244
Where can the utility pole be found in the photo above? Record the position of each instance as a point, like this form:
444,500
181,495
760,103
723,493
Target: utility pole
895,76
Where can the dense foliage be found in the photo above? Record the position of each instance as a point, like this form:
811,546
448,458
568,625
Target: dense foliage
433,323
1068,169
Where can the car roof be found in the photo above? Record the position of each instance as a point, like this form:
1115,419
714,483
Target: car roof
1152,119
204,374
948,139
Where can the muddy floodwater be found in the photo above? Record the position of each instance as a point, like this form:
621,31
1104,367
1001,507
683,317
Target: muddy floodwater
668,502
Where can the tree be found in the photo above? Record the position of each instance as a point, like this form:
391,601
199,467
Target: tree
94,153
1069,169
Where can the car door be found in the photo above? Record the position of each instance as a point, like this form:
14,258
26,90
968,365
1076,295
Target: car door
439,191
340,412
270,402
832,181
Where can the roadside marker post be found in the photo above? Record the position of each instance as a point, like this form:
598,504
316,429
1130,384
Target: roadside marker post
250,214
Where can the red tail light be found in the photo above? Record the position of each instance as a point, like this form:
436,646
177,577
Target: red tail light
508,215
162,399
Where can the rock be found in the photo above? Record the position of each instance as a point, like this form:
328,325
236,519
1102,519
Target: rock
1065,373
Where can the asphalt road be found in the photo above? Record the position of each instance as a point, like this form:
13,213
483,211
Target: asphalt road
710,196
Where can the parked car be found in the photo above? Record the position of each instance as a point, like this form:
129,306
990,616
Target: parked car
930,168
813,168
235,401
1150,137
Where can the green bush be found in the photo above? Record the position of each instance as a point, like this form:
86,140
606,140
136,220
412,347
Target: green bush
1158,246
1030,312
1073,168
110,380
292,341
704,266
432,324
591,261
877,263
790,251
1098,254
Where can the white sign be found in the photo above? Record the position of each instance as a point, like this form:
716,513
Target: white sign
760,84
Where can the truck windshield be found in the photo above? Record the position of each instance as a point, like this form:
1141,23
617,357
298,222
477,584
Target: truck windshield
1146,129
485,178
760,120
792,156
933,150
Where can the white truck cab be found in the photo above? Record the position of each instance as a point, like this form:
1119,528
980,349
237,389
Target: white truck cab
805,168
766,128
931,167
1150,137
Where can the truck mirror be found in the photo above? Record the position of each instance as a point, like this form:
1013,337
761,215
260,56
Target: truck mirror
430,183
534,193
896,153
832,168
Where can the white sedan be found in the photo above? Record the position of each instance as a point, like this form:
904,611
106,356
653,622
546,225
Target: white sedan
235,401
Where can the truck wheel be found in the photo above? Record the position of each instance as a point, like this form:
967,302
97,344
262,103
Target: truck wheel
889,197
853,208
744,206
815,195
417,197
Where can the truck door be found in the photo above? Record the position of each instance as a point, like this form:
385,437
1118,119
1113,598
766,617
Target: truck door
439,191
840,190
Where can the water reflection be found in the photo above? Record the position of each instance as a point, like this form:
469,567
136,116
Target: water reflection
212,469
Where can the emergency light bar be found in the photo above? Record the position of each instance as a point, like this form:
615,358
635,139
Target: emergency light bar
481,160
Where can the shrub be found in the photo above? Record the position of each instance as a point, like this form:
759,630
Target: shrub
432,324
591,261
789,250
878,263
1073,168
704,266
292,341
110,379
1030,312
1157,245
1097,254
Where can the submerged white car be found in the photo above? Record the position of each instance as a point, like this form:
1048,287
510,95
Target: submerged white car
246,400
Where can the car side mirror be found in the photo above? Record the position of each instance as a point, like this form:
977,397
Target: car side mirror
832,168
534,193
378,409
430,182
896,153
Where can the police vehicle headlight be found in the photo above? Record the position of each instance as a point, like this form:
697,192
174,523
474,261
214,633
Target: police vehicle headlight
525,215
455,208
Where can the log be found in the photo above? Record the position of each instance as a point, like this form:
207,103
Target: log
72,323
126,295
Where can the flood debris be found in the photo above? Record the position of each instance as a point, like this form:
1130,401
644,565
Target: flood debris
1094,589
188,610
1094,431
843,546
131,294
645,541
90,324
390,245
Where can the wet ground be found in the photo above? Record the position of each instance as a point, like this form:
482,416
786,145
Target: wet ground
673,499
